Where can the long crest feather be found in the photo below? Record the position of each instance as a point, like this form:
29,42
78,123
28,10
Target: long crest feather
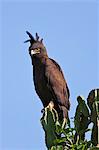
32,40
37,37
41,40
30,35
27,41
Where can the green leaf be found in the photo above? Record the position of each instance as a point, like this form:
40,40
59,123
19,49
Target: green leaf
57,147
79,146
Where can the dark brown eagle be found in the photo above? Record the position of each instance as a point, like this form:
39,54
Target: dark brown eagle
49,81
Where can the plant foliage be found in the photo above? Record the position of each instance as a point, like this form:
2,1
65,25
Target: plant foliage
58,138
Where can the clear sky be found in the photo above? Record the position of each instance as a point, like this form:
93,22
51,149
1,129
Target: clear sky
70,33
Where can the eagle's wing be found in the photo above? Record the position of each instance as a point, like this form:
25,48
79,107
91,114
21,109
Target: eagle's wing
59,68
57,83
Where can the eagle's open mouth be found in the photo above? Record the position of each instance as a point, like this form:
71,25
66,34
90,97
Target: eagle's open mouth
35,51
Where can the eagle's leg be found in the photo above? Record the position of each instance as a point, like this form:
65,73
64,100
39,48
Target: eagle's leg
65,116
64,123
51,107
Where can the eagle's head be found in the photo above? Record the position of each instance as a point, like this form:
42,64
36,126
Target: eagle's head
37,48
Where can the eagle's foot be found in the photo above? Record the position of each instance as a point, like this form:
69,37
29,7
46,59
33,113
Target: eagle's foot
52,109
50,106
64,123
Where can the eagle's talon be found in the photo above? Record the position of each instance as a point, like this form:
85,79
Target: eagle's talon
43,110
64,123
51,106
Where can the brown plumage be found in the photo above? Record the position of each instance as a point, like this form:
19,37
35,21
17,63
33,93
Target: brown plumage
49,81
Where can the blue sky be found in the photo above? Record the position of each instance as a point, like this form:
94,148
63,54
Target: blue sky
70,33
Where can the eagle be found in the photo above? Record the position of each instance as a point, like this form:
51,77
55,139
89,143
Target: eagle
49,82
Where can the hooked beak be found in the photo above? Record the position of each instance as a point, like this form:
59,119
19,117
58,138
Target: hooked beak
35,51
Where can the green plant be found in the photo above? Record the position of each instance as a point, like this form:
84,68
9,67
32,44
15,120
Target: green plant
58,138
